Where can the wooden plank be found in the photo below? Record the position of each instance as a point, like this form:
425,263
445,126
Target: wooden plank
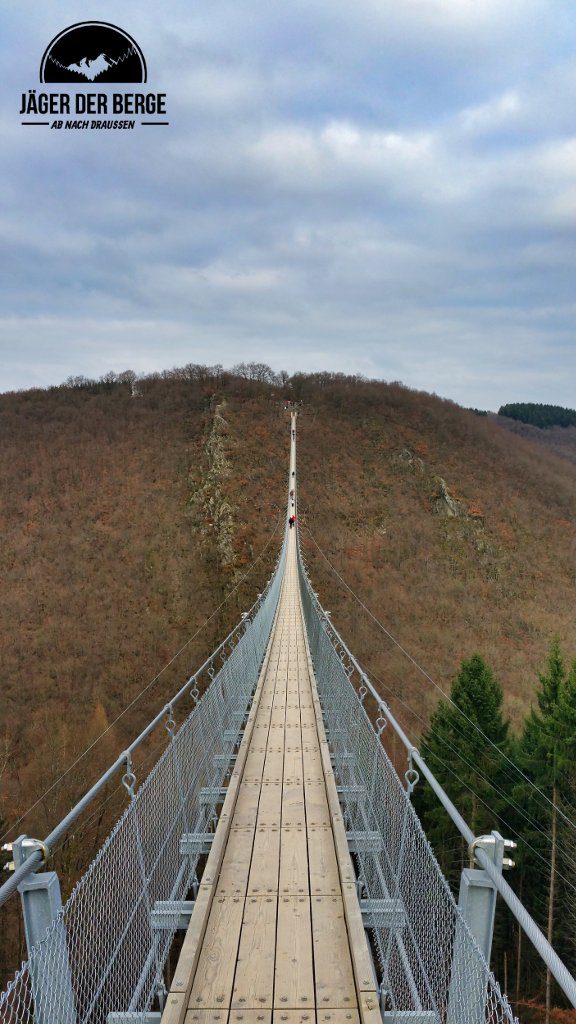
214,975
261,1016
334,978
293,766
323,866
293,812
274,763
370,1009
254,767
205,1016
316,801
292,716
265,862
233,877
246,810
308,717
335,1016
270,806
361,958
293,862
295,1017
294,975
175,1008
191,949
254,981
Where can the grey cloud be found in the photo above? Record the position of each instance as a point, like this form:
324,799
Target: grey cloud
340,188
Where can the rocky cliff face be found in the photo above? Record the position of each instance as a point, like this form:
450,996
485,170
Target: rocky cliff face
211,509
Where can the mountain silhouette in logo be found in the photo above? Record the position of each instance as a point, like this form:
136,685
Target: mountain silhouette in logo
91,68
93,50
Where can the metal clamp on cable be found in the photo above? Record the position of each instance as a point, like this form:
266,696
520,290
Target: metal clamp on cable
411,775
170,723
25,846
489,845
129,778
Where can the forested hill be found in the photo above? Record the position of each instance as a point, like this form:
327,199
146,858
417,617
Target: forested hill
539,415
131,509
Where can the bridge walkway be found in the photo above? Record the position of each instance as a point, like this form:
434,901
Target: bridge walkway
276,935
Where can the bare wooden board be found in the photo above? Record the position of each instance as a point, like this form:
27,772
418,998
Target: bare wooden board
191,950
233,877
317,810
323,866
369,1009
265,862
312,760
294,1017
246,810
206,1016
293,812
214,976
273,766
254,980
338,1017
175,1008
293,862
254,766
261,1016
294,977
334,978
361,958
293,766
270,806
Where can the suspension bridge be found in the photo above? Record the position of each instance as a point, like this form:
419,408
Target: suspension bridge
270,869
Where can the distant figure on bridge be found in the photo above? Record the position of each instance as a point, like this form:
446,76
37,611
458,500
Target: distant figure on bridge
293,433
292,493
291,522
293,473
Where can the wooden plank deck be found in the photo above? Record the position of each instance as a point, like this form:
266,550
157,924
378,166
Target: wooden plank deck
276,935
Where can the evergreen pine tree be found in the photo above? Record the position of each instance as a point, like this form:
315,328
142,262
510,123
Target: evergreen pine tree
458,750
546,751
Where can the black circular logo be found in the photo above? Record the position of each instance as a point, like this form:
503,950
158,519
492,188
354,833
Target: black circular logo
93,51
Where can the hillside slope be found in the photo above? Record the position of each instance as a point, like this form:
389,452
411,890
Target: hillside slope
458,536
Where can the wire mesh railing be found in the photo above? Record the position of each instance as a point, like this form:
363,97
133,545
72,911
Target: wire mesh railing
103,953
429,965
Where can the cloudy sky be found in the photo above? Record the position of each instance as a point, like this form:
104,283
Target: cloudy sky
377,186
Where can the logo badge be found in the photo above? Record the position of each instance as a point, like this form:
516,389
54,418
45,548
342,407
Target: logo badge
93,51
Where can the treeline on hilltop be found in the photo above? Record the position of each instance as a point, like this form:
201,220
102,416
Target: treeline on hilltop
522,785
216,375
538,414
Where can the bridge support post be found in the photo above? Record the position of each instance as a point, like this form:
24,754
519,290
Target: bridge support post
477,904
50,973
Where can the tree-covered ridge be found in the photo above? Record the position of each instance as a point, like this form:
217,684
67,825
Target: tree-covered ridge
538,414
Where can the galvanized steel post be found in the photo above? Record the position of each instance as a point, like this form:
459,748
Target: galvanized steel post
41,910
477,905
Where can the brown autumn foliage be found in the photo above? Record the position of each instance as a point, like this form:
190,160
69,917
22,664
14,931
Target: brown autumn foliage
497,578
110,562
127,520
